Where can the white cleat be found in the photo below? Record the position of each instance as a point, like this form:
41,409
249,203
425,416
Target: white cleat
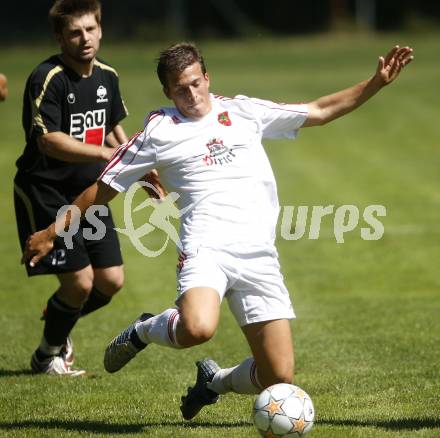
67,352
54,366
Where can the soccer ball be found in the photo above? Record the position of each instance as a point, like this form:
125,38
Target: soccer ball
283,410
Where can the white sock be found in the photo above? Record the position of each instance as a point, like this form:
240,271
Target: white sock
241,379
160,329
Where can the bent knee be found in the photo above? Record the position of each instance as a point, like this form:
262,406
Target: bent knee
109,281
76,291
114,285
195,333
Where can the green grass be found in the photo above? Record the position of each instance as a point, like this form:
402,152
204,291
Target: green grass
368,322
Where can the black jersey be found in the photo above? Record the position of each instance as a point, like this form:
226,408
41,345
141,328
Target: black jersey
56,98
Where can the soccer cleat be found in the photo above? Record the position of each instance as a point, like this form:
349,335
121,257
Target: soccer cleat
55,366
200,395
124,347
67,352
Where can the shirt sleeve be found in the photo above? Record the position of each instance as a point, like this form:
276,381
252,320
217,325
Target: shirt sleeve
46,98
279,120
130,162
118,110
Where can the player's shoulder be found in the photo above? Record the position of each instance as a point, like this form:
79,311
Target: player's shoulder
105,67
239,102
161,124
163,117
46,70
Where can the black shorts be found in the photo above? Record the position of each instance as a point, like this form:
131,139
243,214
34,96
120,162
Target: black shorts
36,207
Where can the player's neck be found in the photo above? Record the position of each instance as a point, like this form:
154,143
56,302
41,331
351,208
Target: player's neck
82,69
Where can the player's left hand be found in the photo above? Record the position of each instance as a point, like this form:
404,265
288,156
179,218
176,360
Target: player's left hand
389,67
37,246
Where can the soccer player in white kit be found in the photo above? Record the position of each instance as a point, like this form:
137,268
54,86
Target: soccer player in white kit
208,150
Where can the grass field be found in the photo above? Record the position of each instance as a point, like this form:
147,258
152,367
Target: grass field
368,327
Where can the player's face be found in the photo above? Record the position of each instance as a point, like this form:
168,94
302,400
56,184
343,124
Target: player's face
79,40
189,91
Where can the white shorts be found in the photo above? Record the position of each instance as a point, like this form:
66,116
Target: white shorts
252,283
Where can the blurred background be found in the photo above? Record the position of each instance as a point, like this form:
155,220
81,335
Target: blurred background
167,19
368,311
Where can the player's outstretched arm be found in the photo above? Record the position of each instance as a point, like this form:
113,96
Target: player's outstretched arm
40,243
328,108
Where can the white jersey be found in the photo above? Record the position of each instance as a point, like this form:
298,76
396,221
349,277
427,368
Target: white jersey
218,167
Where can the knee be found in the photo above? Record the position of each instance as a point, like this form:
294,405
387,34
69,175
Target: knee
76,292
110,282
195,333
114,285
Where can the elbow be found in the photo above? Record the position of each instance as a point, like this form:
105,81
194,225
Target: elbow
315,121
44,144
49,144
321,121
318,115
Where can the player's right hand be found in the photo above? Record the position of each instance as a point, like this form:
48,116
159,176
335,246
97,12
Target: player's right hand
152,178
37,246
107,153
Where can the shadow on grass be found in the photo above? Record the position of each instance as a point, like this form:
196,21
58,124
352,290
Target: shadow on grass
11,373
29,372
397,424
113,429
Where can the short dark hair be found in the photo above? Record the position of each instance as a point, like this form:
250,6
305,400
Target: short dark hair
177,58
62,12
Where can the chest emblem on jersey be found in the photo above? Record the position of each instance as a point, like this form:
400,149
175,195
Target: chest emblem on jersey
71,98
224,119
219,154
88,127
101,94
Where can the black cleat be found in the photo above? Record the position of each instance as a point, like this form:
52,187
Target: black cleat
200,395
123,347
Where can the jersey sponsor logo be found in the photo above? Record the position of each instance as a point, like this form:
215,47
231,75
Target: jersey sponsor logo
218,153
224,119
88,127
101,92
71,98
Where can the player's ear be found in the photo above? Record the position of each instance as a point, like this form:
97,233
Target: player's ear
58,37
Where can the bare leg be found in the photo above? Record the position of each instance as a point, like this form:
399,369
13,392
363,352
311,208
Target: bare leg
272,348
199,311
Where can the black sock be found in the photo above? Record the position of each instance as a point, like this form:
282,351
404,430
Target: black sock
59,320
134,338
95,301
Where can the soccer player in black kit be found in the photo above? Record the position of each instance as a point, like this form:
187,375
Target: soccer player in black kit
72,108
